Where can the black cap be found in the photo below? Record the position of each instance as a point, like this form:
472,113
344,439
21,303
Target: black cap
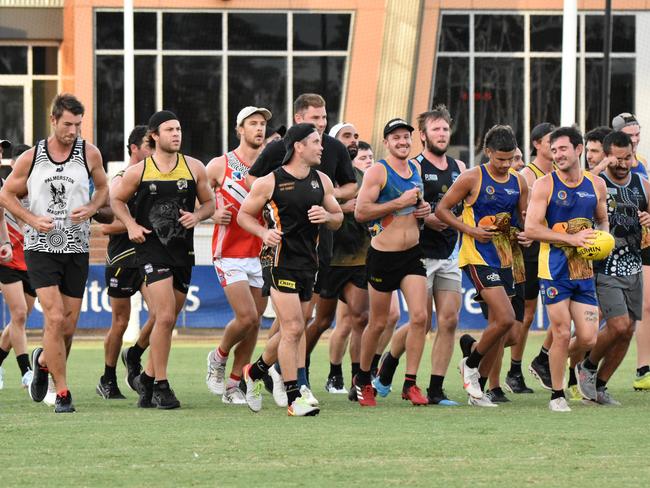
281,131
295,134
397,124
538,132
160,118
5,144
624,120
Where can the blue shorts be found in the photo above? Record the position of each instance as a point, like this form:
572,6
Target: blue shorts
581,291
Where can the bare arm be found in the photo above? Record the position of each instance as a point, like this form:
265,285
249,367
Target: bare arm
6,251
204,195
247,217
600,215
330,212
644,216
345,192
100,195
120,194
216,169
367,209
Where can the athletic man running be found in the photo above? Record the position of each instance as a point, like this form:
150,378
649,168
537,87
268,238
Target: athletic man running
166,186
56,176
296,199
561,215
492,194
391,201
123,280
438,242
236,256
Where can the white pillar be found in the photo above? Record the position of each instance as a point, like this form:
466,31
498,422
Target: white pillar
569,60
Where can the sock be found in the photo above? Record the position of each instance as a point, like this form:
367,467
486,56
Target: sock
302,377
572,377
292,390
643,370
161,385
23,363
409,381
515,368
466,342
62,393
135,352
363,378
277,368
543,355
375,362
220,356
335,370
435,383
259,369
557,394
600,383
3,355
589,365
474,359
109,372
356,367
482,381
307,364
388,368
146,379
233,381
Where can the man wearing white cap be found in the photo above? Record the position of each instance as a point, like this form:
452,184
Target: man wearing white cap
236,255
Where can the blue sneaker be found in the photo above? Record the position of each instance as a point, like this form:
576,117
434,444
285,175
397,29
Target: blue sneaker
382,390
439,398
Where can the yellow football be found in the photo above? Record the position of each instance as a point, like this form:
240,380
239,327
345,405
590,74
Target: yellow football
600,248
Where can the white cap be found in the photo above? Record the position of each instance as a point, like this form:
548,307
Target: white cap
246,112
334,131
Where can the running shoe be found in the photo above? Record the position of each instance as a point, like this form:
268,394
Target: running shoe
440,398
470,380
515,383
279,391
559,405
216,377
604,398
484,401
2,377
586,381
496,395
233,396
414,395
133,367
253,390
542,373
642,383
163,397
382,390
38,386
306,393
336,386
574,394
145,392
27,378
63,403
108,389
50,397
302,408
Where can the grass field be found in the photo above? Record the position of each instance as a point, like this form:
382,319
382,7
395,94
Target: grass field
206,443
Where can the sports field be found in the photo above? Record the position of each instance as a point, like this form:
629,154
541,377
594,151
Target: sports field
206,443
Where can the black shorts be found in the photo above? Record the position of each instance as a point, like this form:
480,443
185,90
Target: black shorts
489,277
387,269
181,275
298,281
123,282
68,271
12,275
517,301
339,276
532,281
645,256
321,275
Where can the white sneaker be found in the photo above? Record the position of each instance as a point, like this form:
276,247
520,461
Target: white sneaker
233,396
2,377
50,398
27,378
559,405
484,401
302,408
253,390
470,379
216,376
308,396
279,392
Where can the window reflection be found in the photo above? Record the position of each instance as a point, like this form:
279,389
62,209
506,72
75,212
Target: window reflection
451,89
321,75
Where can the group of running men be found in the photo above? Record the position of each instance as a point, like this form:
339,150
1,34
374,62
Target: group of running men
310,219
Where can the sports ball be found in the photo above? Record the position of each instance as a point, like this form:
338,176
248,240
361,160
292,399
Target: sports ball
600,248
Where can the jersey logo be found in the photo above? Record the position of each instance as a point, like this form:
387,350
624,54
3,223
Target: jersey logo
287,284
585,194
153,189
454,175
551,292
315,185
430,177
489,190
237,176
561,195
510,191
58,199
181,184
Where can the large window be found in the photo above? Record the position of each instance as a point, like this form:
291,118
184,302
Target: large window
506,68
207,65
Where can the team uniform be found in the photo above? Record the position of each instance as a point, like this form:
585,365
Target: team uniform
387,269
438,247
531,253
235,252
291,266
489,264
58,257
563,273
168,250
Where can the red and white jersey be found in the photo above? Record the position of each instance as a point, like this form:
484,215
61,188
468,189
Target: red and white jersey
17,238
231,241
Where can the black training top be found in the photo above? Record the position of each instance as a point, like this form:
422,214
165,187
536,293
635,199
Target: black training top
120,250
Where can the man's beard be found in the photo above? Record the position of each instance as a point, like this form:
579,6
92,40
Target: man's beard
436,150
352,151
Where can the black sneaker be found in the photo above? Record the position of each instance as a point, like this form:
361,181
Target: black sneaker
335,385
352,393
496,395
63,403
108,389
515,383
38,386
133,368
145,392
163,397
542,372
440,398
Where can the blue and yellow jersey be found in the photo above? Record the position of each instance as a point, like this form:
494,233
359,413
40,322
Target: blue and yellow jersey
640,166
394,185
495,204
570,210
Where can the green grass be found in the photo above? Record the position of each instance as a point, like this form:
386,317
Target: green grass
206,443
